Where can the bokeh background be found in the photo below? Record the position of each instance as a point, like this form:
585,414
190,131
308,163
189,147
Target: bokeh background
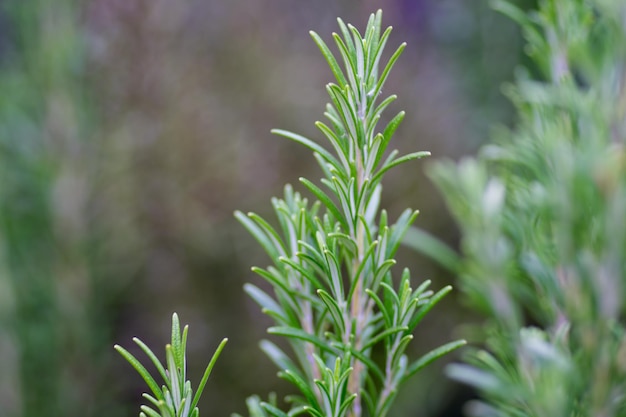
130,130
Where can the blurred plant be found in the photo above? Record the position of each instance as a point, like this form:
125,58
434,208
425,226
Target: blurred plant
334,298
175,398
542,213
48,313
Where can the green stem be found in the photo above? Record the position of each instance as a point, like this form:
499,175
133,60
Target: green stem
358,307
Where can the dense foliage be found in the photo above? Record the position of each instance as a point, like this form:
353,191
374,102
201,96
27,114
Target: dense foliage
542,212
334,297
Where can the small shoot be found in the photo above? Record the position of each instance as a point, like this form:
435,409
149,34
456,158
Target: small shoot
175,398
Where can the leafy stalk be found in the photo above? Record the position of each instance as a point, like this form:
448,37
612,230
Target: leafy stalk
542,212
334,297
175,398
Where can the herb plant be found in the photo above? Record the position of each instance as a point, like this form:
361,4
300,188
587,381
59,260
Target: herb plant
334,299
175,398
542,214
55,298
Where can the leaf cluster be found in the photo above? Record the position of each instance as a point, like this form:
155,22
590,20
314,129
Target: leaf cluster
334,298
176,397
542,214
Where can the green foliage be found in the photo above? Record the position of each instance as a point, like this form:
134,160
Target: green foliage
43,114
334,298
542,216
175,398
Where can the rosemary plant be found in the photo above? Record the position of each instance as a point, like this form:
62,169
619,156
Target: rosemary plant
334,298
175,398
55,300
542,215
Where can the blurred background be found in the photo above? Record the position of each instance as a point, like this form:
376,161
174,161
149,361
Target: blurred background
130,130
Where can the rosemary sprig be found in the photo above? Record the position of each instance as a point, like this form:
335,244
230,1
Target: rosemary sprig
334,298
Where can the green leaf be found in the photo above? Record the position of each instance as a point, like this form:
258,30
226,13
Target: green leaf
377,111
382,270
382,335
174,374
313,411
270,232
309,144
288,227
406,219
377,55
273,410
369,403
150,412
371,151
338,145
330,58
253,403
435,249
345,111
372,207
154,387
421,290
326,201
511,11
387,166
258,234
345,240
359,56
399,351
207,372
391,293
300,334
428,306
385,73
360,203
305,273
347,403
177,346
312,258
336,280
265,301
152,357
431,356
296,411
475,377
381,306
387,134
280,359
151,399
273,276
324,388
350,48
347,59
325,166
343,195
335,311
370,364
302,385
